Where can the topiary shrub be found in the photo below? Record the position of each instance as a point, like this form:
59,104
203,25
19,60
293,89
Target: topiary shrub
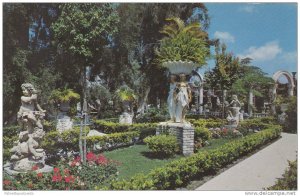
162,145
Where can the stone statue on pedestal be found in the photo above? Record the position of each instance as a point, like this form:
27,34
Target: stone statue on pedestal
234,111
27,152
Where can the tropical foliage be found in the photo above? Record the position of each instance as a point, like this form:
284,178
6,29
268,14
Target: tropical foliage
64,95
183,42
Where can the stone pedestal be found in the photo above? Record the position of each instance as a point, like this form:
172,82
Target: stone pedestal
64,123
125,118
11,172
184,133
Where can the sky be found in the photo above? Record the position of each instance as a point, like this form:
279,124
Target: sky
265,32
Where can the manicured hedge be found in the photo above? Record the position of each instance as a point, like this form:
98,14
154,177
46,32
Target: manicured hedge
258,123
68,140
113,127
178,173
208,123
113,140
162,145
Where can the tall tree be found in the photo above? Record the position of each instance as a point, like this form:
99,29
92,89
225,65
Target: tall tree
82,31
225,72
132,55
24,60
252,82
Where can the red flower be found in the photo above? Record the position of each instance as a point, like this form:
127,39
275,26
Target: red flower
7,182
90,156
67,171
77,159
101,160
39,175
73,163
56,178
69,179
30,185
56,170
35,167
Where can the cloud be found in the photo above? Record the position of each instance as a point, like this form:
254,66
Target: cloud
290,57
224,36
249,8
267,52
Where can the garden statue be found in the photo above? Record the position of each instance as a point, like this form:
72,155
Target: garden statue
182,99
234,111
27,151
171,101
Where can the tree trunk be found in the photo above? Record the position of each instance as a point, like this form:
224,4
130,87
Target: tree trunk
250,102
143,101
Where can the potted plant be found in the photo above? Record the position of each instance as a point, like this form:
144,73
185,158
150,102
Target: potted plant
184,47
126,95
63,97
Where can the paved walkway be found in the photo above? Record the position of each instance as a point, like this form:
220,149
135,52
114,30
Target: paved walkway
259,170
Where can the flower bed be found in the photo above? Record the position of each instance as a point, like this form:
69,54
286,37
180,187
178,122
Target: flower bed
67,175
180,172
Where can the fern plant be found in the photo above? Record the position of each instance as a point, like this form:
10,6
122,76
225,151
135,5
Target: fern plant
124,93
64,95
183,42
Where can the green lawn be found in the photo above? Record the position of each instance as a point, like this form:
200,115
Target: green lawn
137,159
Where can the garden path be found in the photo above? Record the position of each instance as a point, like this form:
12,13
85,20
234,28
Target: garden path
260,170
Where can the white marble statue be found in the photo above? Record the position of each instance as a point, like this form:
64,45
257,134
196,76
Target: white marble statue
182,99
27,151
171,101
234,110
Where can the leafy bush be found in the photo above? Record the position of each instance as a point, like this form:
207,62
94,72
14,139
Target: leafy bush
162,145
291,122
113,127
203,133
288,180
113,140
54,141
68,175
178,173
257,123
153,115
186,43
208,123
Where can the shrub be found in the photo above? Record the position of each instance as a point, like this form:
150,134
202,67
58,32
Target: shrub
10,131
162,145
288,180
178,173
208,123
113,140
202,133
257,123
153,115
113,127
291,122
67,175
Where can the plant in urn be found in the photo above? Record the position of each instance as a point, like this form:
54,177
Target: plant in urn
182,50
